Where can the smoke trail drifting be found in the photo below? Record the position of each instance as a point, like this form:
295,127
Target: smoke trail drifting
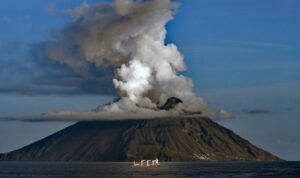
129,36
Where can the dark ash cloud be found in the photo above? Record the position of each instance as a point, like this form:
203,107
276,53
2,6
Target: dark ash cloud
25,69
256,111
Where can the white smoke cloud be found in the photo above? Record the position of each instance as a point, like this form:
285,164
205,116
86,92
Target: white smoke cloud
221,115
128,36
134,80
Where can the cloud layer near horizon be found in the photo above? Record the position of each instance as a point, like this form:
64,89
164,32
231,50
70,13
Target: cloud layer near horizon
95,116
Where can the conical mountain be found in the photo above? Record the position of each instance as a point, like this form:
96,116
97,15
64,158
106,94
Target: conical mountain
169,139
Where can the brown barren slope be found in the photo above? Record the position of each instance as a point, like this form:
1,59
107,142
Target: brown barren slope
169,139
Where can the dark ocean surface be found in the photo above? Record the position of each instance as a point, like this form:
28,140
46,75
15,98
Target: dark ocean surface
167,169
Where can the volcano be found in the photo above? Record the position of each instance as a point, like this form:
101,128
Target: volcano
169,139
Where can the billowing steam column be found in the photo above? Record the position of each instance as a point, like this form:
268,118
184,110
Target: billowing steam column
128,37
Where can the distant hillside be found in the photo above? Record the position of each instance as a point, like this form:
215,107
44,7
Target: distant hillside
169,139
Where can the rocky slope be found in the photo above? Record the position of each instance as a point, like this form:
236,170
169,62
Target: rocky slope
169,139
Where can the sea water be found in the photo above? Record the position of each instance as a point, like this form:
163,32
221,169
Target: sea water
167,169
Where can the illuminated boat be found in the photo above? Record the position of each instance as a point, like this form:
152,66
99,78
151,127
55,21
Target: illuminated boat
147,163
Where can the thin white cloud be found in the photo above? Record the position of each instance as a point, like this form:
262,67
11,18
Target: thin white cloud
7,19
223,115
51,8
262,44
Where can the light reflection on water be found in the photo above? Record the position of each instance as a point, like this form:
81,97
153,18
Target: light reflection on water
167,169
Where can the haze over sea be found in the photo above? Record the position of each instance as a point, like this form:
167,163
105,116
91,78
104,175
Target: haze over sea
166,170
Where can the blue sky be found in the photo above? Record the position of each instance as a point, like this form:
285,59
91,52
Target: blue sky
242,55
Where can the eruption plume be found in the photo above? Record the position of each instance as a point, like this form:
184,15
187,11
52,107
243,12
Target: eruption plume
128,36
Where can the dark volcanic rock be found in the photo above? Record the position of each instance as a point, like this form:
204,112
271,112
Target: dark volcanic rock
170,103
169,139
